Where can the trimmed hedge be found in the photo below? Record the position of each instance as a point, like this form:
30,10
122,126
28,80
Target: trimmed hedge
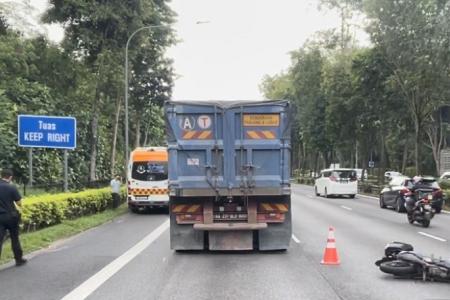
47,210
306,180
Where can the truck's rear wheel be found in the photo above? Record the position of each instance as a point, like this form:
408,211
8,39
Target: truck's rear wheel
183,236
277,236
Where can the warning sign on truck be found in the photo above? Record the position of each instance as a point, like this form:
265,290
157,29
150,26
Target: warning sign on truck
271,120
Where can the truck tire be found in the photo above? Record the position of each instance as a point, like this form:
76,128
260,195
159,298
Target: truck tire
398,267
382,205
183,236
277,236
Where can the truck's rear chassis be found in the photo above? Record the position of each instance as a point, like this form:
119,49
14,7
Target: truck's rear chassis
233,223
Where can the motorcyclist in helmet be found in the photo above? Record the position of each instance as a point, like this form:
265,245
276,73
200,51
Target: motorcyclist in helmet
410,201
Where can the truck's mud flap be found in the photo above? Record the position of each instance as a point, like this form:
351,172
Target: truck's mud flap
230,240
276,236
184,237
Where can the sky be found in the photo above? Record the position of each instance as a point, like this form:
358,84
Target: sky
237,43
243,40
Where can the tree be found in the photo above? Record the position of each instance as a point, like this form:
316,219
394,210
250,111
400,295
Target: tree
96,33
416,52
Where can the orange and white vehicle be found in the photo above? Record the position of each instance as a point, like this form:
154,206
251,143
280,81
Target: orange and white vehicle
147,178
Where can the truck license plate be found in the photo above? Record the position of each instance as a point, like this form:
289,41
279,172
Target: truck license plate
230,216
141,198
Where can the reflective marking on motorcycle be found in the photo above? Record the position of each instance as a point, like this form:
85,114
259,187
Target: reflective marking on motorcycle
432,236
346,207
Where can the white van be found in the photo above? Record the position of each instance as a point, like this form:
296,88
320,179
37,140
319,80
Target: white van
147,178
336,182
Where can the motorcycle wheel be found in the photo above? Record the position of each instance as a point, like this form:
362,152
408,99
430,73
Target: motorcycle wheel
382,205
400,205
426,223
398,267
410,218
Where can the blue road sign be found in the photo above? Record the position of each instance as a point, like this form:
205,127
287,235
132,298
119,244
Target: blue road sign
47,132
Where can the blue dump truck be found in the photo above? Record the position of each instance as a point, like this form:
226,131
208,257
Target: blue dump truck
229,171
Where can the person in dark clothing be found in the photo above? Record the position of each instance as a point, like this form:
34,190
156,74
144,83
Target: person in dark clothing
9,215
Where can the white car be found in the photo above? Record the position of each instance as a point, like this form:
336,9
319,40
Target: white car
445,176
391,174
336,182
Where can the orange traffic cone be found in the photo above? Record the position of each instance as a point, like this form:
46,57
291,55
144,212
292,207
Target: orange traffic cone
330,257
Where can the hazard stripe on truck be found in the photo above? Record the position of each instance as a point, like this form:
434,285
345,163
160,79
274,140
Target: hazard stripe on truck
273,207
197,135
187,208
261,135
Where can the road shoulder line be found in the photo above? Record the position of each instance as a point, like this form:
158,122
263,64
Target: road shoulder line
365,196
295,239
432,236
94,282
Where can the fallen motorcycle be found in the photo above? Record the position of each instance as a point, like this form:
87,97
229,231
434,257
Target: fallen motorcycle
402,261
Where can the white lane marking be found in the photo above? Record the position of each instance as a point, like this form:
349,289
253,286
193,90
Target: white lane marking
432,236
295,239
309,196
445,211
365,196
93,283
346,207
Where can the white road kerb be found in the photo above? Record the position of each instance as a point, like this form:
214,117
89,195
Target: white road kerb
89,286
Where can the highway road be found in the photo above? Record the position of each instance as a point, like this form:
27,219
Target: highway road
129,258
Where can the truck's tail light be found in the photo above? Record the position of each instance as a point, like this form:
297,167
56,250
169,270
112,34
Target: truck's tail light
188,213
189,219
271,218
332,178
272,212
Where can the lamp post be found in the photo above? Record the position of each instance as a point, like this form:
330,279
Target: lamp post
127,147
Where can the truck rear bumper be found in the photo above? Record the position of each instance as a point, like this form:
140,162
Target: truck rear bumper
230,226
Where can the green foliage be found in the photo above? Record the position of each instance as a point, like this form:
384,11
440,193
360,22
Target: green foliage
379,103
84,78
445,185
47,210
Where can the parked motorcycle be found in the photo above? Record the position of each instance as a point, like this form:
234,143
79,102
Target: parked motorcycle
401,261
420,210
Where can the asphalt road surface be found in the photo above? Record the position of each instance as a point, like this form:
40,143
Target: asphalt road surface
130,258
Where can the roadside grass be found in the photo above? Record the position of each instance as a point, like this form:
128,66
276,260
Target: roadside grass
45,237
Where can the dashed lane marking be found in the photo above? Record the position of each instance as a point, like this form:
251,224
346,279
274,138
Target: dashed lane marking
93,283
295,239
432,236
346,207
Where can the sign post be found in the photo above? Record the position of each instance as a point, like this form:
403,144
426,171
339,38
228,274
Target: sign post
47,132
30,167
